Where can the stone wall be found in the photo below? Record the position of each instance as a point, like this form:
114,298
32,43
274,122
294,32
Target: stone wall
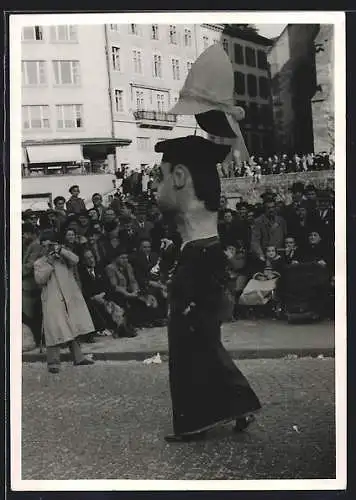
280,184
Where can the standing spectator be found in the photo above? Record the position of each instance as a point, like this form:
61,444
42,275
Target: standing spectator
75,204
31,299
65,314
31,217
59,207
83,226
97,200
269,230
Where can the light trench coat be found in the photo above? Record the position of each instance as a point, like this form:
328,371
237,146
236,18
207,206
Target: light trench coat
65,313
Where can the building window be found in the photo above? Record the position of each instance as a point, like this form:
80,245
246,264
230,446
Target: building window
34,33
187,37
264,87
239,78
161,103
137,60
66,72
205,42
35,117
140,100
239,54
189,65
254,114
266,115
175,68
250,57
252,85
173,34
69,116
261,59
119,101
154,32
133,29
255,143
33,73
226,45
114,27
157,66
115,57
143,144
65,33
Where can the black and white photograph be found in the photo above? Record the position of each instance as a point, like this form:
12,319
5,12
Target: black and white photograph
174,245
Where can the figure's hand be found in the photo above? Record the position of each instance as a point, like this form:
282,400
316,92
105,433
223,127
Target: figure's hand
322,263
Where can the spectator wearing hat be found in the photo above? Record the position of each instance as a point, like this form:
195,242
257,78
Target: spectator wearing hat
268,230
206,386
65,313
75,204
31,298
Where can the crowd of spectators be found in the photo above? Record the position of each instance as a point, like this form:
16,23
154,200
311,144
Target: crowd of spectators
276,164
120,255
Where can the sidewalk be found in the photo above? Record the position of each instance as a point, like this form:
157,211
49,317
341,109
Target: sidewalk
243,339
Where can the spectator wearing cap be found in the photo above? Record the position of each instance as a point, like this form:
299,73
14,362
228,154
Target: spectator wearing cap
31,300
206,386
268,230
75,204
65,313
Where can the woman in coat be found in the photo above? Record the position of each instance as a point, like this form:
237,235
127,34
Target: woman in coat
65,314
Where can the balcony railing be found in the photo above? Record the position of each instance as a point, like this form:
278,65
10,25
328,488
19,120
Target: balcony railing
155,118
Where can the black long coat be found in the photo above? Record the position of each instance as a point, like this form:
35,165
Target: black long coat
206,386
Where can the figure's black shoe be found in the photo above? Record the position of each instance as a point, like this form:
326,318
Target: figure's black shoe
243,422
185,438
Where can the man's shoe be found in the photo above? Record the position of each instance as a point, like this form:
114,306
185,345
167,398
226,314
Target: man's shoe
84,362
185,438
242,423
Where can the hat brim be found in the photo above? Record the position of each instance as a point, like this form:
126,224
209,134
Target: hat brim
189,107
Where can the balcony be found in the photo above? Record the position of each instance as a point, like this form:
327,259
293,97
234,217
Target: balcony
155,119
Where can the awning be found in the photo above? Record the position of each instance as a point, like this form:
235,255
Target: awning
55,153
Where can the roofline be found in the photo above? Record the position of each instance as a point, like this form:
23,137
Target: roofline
249,37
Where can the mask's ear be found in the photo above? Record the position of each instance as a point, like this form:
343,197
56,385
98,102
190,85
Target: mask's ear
180,175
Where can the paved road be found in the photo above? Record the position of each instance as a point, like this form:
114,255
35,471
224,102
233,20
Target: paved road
108,422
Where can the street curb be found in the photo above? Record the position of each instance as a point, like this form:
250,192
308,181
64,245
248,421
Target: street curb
28,357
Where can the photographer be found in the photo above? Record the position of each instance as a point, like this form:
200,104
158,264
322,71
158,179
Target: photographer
65,314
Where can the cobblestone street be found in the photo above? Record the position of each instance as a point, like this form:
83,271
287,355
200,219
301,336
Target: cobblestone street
108,422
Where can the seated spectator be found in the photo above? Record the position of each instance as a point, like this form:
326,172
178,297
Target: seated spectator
269,230
237,272
227,229
272,262
144,228
111,223
128,234
301,225
97,245
112,248
104,312
143,261
291,254
65,314
75,204
126,292
316,251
